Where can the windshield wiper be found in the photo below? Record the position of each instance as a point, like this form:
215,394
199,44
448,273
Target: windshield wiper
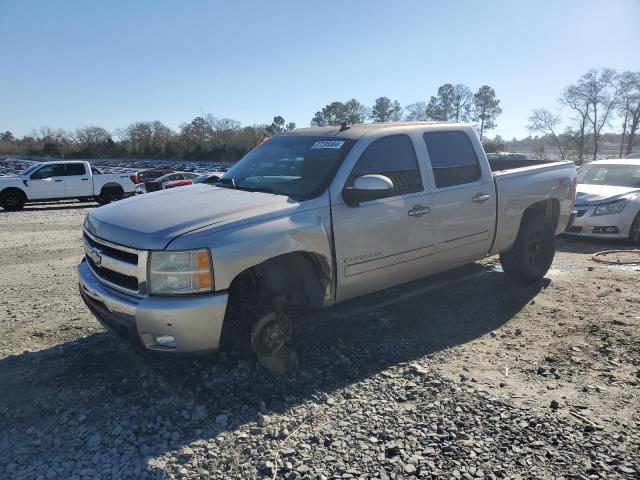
226,183
231,183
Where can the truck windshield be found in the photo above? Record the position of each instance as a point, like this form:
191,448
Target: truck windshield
30,169
293,165
614,175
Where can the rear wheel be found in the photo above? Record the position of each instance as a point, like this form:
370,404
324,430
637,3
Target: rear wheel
109,195
634,231
532,253
12,200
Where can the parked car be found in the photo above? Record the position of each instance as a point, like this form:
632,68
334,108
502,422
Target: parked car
608,200
211,177
149,175
60,181
161,182
309,219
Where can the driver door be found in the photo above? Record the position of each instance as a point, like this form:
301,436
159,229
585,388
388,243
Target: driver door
388,241
48,182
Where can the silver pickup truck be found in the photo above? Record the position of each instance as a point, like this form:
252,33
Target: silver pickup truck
311,218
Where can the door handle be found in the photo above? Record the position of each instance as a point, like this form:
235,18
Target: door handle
481,197
418,211
57,180
84,179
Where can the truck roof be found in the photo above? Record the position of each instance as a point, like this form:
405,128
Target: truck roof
357,130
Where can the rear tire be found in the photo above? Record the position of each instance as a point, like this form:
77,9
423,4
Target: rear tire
634,231
110,195
12,200
532,253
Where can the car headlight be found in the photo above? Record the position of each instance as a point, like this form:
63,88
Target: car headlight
610,208
180,272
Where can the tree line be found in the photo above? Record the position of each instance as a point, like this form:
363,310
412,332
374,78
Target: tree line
599,99
205,138
452,103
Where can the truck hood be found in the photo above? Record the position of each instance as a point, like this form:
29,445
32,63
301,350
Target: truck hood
596,194
151,221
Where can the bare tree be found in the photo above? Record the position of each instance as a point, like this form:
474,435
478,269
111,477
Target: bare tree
416,111
602,90
462,102
547,123
577,101
89,136
630,108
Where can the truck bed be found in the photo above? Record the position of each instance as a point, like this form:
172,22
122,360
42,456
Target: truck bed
523,185
501,164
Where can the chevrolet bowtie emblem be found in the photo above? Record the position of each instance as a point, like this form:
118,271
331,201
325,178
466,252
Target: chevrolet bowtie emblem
95,255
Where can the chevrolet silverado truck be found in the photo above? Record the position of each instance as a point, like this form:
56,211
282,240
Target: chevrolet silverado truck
311,218
48,181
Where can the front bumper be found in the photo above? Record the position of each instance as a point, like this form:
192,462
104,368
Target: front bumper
195,322
585,224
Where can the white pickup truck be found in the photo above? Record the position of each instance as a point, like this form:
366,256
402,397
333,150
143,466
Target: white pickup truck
63,180
311,218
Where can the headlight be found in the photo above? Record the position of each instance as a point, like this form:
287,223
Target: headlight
178,273
610,208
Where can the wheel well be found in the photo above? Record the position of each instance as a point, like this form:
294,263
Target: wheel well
298,278
13,189
111,186
549,207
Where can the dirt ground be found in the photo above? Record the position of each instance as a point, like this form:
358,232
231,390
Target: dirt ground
573,340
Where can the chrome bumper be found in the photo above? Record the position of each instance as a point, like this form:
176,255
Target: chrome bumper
195,322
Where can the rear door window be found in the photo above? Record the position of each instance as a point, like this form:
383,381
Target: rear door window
75,169
395,158
453,158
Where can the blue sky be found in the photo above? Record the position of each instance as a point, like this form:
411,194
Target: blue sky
73,63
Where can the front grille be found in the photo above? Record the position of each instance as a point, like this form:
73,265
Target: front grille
574,229
113,252
112,264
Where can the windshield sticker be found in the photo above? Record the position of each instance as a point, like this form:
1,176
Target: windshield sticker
332,144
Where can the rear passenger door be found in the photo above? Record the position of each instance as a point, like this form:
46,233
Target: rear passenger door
464,198
388,241
77,181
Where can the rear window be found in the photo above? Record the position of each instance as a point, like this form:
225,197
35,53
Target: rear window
75,169
453,158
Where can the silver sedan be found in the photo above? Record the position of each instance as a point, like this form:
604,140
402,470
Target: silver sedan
608,200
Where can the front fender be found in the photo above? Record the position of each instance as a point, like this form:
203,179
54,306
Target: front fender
16,183
243,247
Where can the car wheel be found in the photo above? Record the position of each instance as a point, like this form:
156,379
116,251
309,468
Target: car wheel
12,201
110,195
634,231
270,338
532,253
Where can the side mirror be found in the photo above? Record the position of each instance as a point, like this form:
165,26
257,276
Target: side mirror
367,187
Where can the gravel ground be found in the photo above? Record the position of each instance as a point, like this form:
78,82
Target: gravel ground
480,378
